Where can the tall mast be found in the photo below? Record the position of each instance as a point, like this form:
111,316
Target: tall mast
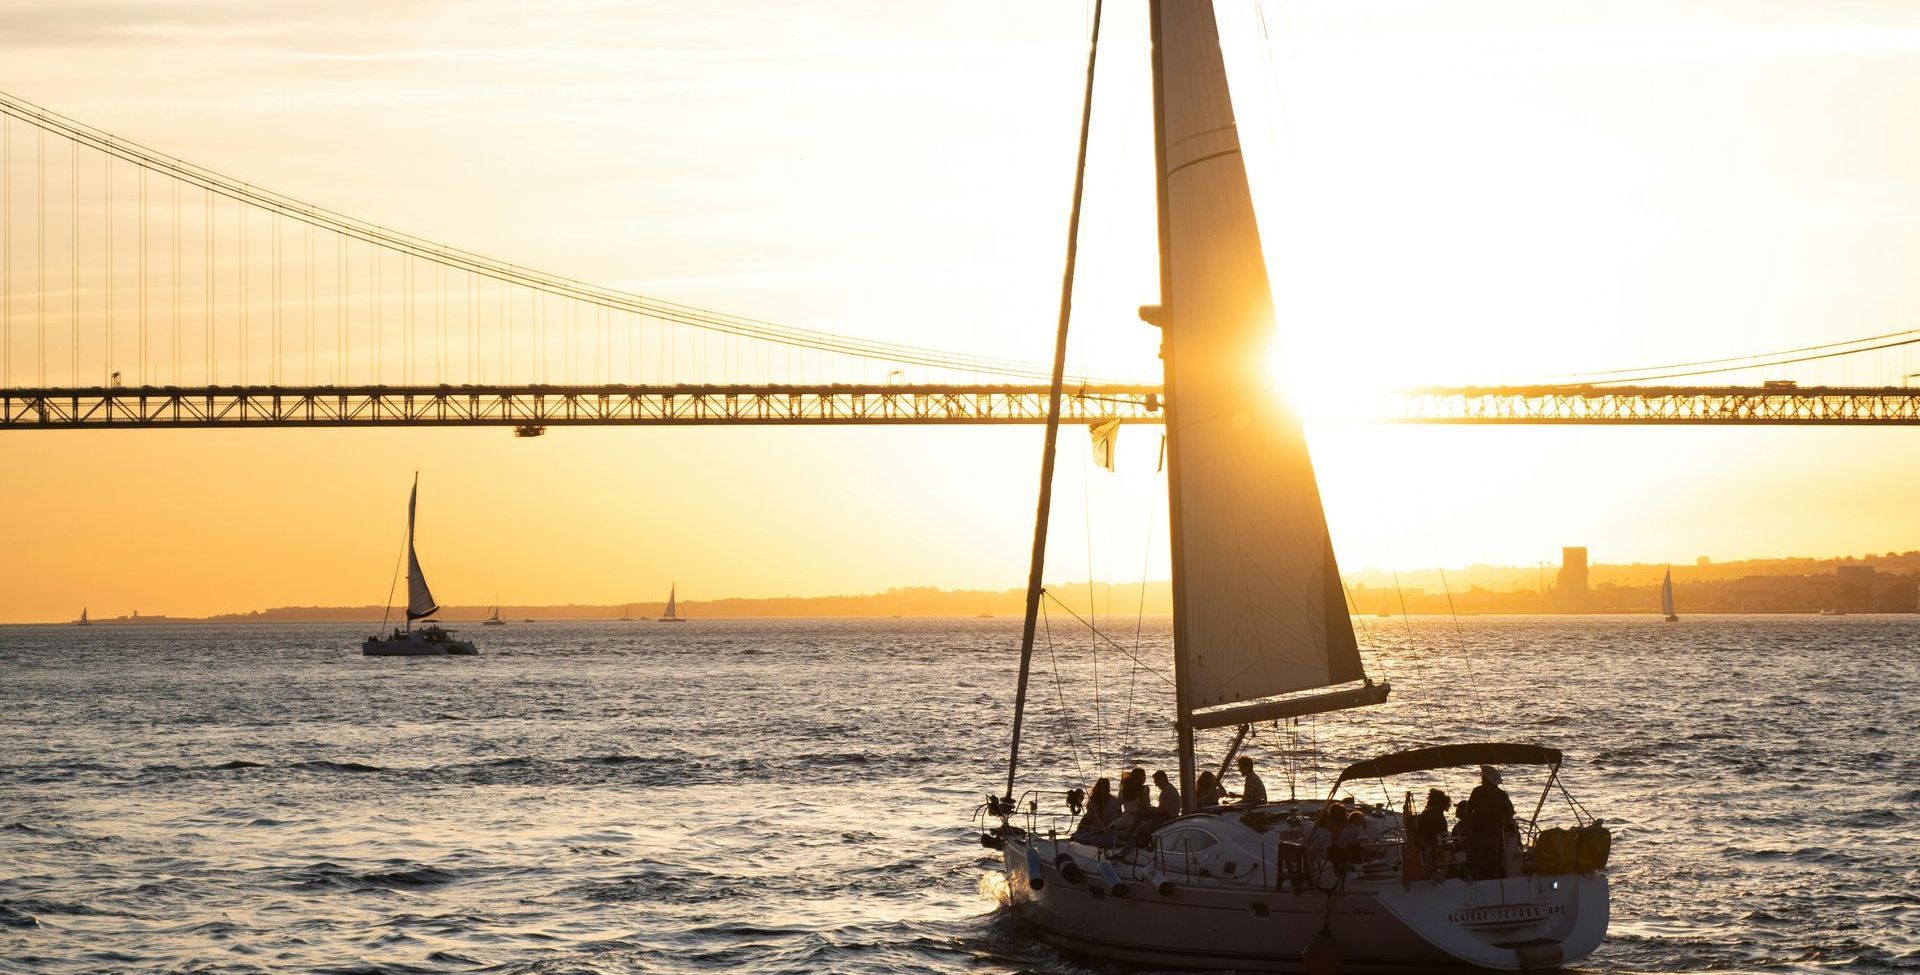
1183,716
1045,505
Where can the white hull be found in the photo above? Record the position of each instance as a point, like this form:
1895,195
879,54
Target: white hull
1517,924
419,644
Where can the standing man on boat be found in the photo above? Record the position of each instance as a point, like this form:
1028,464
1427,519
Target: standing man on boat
1487,826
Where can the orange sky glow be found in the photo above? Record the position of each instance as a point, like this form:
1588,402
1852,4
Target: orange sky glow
1478,191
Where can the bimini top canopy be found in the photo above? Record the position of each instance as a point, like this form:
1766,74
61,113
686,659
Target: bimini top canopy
1451,756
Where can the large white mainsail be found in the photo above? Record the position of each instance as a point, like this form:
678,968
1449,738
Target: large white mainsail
420,604
1258,606
673,601
1666,595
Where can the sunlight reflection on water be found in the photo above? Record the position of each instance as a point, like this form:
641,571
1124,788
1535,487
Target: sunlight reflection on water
793,796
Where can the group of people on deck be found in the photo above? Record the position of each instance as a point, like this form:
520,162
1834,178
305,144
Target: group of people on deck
1132,816
1481,826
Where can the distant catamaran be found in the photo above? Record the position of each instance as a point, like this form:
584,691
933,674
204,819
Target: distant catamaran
673,606
493,618
430,640
1666,597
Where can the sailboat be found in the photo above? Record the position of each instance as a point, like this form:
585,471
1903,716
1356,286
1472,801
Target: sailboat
493,617
1666,598
83,621
430,640
673,606
626,613
1261,633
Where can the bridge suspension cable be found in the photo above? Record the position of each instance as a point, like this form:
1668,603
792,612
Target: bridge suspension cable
300,301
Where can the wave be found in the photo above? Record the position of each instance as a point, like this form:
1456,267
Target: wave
328,765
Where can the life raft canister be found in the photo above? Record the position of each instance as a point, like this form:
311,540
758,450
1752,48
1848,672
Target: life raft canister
1595,845
1556,851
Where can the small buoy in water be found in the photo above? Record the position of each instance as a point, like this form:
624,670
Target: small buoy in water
1034,879
1112,879
1161,884
1322,956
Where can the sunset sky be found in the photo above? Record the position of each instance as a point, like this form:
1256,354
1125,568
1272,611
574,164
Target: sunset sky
1470,191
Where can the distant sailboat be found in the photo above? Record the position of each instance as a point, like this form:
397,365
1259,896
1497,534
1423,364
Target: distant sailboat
626,613
1666,597
83,621
430,640
493,618
673,606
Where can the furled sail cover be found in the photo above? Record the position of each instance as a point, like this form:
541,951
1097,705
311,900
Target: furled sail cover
420,604
1261,610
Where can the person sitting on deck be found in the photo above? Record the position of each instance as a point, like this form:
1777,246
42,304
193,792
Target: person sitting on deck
1253,792
1486,828
1167,806
1096,825
1206,791
1346,846
1133,801
1430,829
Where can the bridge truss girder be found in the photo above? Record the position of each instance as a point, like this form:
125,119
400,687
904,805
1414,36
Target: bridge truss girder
530,409
1773,405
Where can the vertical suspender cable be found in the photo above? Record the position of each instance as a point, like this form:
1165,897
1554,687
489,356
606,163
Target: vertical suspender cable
143,276
1053,414
106,231
175,268
40,256
6,251
73,262
278,370
206,302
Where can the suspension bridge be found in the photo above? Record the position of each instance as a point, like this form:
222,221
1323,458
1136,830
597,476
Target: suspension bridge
138,290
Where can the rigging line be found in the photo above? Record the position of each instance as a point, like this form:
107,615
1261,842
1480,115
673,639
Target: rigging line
1733,359
1140,615
1109,641
1056,376
1086,525
1460,637
1060,691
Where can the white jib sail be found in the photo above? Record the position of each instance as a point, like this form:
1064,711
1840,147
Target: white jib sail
673,601
420,604
1666,594
1258,598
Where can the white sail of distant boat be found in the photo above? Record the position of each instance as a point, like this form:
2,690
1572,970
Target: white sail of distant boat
1261,633
83,620
672,615
1666,597
429,640
493,616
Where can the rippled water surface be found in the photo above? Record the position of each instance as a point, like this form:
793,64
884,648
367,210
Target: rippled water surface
776,796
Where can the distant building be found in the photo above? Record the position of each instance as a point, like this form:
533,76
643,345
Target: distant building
1570,586
1703,561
